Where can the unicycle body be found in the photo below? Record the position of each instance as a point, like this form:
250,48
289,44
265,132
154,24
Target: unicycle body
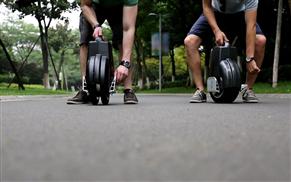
99,71
224,77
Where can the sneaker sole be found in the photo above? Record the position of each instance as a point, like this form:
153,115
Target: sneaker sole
250,101
74,102
131,102
196,101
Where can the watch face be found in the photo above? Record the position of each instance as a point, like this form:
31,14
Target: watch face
125,64
249,59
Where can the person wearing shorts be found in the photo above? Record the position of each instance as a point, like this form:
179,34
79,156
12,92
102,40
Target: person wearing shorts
226,19
121,16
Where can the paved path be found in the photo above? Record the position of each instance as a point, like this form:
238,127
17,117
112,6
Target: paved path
164,138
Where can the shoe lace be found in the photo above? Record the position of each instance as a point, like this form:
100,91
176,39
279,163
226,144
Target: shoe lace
251,93
198,93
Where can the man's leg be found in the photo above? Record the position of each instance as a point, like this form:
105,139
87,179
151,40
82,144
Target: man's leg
129,95
85,31
248,94
122,22
83,62
192,43
259,57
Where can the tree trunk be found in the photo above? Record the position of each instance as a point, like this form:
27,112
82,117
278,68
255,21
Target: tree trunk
172,55
61,61
277,44
19,81
44,51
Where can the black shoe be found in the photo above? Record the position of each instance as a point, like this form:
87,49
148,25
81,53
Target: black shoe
80,98
129,97
198,97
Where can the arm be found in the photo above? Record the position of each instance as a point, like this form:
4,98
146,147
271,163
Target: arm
89,14
250,18
129,19
208,12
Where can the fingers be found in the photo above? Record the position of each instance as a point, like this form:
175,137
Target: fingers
253,68
220,38
121,74
97,32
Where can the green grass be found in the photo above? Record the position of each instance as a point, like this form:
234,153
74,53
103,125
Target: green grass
283,87
29,90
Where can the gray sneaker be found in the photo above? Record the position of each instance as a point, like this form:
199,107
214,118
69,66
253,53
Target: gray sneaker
198,97
249,96
129,97
80,98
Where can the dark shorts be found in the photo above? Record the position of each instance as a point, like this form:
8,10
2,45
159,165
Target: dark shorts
114,17
232,25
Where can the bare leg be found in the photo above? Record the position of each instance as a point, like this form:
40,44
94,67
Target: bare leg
259,57
83,62
192,43
128,80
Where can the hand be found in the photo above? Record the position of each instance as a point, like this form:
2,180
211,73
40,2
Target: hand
220,38
97,32
121,73
252,67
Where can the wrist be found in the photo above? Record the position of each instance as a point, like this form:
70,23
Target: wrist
215,31
96,25
250,59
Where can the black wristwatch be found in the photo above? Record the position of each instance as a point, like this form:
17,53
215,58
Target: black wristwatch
249,59
125,63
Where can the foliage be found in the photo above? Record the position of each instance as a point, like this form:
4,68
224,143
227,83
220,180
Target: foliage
19,39
44,12
62,38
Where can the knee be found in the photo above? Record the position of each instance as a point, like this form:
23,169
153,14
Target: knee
192,42
261,41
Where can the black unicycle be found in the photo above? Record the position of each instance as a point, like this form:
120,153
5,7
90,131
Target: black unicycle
224,81
100,71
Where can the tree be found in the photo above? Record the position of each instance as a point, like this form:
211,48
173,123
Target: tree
20,40
177,19
44,12
278,43
61,40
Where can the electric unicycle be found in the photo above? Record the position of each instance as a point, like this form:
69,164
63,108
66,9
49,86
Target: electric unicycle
100,71
224,81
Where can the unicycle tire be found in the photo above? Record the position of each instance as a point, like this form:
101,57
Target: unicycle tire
228,80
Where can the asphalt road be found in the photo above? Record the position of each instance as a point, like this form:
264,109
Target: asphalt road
163,138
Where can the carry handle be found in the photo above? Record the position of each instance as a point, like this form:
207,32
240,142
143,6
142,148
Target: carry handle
99,38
